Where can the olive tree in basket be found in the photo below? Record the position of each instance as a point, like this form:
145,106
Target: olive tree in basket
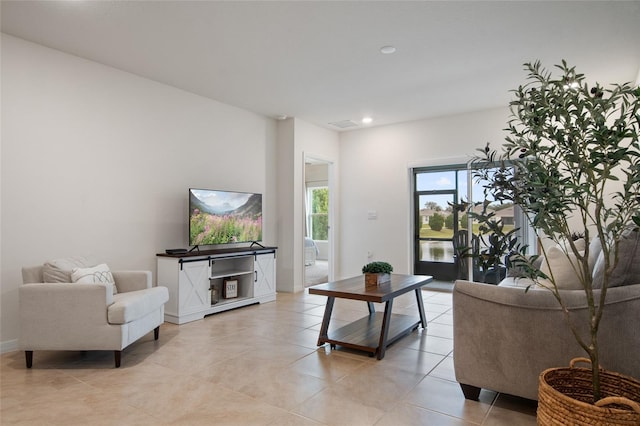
571,162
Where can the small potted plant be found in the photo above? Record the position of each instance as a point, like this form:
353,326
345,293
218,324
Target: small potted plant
377,273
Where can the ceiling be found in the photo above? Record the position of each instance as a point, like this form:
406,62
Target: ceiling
321,61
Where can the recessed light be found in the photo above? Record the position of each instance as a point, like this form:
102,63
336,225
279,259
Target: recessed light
281,117
387,50
573,85
367,120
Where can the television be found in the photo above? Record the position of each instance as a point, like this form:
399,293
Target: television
224,217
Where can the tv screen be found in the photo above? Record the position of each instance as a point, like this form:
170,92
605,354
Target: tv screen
224,217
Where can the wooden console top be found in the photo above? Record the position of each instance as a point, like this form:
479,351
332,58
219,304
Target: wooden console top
221,251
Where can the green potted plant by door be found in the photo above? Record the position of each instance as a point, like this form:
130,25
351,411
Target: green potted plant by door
571,162
376,273
490,247
496,242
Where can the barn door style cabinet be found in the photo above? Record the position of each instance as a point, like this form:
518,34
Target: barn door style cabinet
207,282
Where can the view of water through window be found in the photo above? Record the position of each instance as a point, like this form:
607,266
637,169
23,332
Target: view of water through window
436,251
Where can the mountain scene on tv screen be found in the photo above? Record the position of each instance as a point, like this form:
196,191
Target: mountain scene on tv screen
217,217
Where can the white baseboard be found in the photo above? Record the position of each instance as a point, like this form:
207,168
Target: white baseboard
9,346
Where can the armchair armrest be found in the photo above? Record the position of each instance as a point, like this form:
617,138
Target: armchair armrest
127,281
53,316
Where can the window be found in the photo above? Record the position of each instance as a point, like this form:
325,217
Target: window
318,213
440,230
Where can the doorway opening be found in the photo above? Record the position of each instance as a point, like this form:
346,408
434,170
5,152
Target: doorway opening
318,219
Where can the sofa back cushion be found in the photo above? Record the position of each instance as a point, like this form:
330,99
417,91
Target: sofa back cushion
627,271
565,269
595,248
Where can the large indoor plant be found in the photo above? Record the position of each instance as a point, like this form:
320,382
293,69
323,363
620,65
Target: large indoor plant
571,162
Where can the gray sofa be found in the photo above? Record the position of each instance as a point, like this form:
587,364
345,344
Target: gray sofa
504,338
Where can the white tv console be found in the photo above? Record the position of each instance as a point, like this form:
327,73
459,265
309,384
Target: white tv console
196,279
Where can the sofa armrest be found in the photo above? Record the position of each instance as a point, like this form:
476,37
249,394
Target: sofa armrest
127,281
51,314
504,338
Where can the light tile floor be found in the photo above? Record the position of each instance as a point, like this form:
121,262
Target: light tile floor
258,365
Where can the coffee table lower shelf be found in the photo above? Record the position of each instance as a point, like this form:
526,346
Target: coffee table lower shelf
364,334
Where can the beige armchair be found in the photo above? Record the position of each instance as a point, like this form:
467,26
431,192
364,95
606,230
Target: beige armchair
73,316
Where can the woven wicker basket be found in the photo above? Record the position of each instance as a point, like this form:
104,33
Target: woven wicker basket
565,395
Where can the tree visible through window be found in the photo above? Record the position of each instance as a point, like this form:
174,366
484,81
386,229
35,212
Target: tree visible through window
319,213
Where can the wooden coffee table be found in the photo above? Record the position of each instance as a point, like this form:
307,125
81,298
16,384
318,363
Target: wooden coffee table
378,330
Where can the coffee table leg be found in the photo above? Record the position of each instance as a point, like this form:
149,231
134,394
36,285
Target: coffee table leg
423,318
384,331
324,329
371,308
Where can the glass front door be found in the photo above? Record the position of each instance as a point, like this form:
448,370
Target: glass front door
434,245
436,221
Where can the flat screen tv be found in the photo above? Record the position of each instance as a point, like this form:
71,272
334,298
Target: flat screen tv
224,217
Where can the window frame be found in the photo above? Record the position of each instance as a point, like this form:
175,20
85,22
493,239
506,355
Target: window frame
310,214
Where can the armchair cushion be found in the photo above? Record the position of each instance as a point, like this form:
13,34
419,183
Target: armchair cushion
97,274
60,270
130,306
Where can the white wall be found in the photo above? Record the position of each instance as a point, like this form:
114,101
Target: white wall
286,183
297,139
98,161
376,177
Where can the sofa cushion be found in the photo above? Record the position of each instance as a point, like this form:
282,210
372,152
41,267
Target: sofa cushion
98,274
627,271
59,270
595,248
580,244
564,268
518,271
132,305
519,282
